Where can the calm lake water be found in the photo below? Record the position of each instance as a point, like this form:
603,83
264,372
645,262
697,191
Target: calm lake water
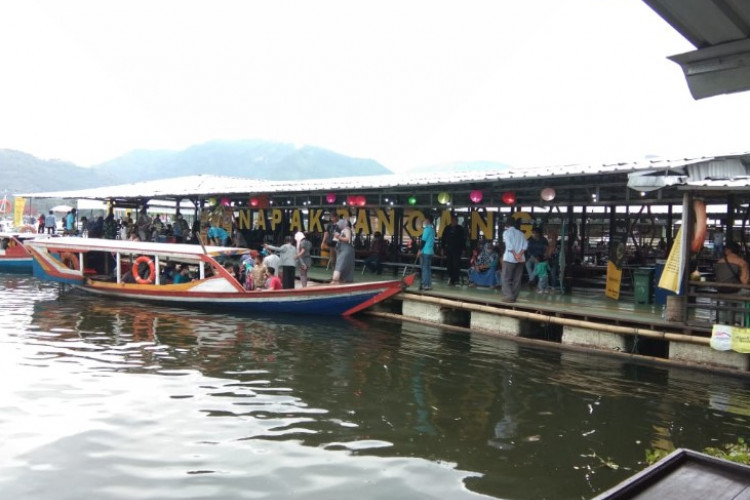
112,400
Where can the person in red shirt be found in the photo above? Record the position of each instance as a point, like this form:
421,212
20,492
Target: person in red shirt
272,282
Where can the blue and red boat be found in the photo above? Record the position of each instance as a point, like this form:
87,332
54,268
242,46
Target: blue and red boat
105,267
14,257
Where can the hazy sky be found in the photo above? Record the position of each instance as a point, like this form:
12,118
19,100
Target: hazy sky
407,83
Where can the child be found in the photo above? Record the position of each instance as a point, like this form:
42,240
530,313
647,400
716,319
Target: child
541,271
273,282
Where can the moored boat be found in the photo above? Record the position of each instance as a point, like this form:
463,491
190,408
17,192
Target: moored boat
105,267
14,257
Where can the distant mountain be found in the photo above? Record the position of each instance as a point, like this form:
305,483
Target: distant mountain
249,158
22,173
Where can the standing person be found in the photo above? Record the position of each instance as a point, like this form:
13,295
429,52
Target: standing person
110,225
50,224
426,252
537,245
70,222
541,272
329,239
453,244
718,250
513,260
143,225
40,224
303,256
344,270
287,262
378,251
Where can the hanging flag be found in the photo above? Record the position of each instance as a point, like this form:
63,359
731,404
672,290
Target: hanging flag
617,244
18,207
671,277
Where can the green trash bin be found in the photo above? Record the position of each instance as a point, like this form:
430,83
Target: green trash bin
643,285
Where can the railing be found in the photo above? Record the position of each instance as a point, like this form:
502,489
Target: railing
710,302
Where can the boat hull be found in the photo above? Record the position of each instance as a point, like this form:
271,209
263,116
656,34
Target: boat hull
318,300
16,265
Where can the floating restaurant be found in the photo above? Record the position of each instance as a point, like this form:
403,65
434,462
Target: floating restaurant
619,228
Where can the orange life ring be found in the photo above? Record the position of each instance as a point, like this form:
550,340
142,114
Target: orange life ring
699,230
70,260
137,270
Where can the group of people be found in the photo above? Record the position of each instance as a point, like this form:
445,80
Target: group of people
48,223
489,266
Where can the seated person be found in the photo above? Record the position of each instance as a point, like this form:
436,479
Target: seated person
731,268
483,272
272,282
183,276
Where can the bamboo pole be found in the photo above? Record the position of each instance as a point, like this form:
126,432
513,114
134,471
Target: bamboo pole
546,318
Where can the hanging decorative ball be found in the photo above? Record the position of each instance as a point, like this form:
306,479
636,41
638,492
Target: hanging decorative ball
548,194
254,202
225,202
476,196
212,201
509,197
331,198
444,198
361,201
412,200
351,200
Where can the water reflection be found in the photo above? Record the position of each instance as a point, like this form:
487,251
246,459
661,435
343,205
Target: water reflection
323,406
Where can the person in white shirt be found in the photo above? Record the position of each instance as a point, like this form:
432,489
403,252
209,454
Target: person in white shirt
513,260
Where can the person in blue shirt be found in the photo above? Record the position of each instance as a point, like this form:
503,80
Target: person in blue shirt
217,236
426,252
70,222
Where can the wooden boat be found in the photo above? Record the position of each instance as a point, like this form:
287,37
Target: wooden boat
101,267
685,475
14,257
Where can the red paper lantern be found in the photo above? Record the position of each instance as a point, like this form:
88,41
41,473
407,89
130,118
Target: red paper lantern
476,196
225,202
351,200
331,198
509,197
254,202
361,201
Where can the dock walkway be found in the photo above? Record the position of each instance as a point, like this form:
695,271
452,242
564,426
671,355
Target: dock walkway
584,318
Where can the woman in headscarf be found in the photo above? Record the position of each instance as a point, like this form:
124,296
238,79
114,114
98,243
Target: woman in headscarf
483,271
303,256
344,271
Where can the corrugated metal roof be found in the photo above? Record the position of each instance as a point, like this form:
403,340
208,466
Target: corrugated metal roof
210,185
720,30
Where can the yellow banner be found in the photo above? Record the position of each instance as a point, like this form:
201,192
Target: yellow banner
614,279
735,338
671,277
18,207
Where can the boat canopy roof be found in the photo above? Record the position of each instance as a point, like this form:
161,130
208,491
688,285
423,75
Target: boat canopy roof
170,250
